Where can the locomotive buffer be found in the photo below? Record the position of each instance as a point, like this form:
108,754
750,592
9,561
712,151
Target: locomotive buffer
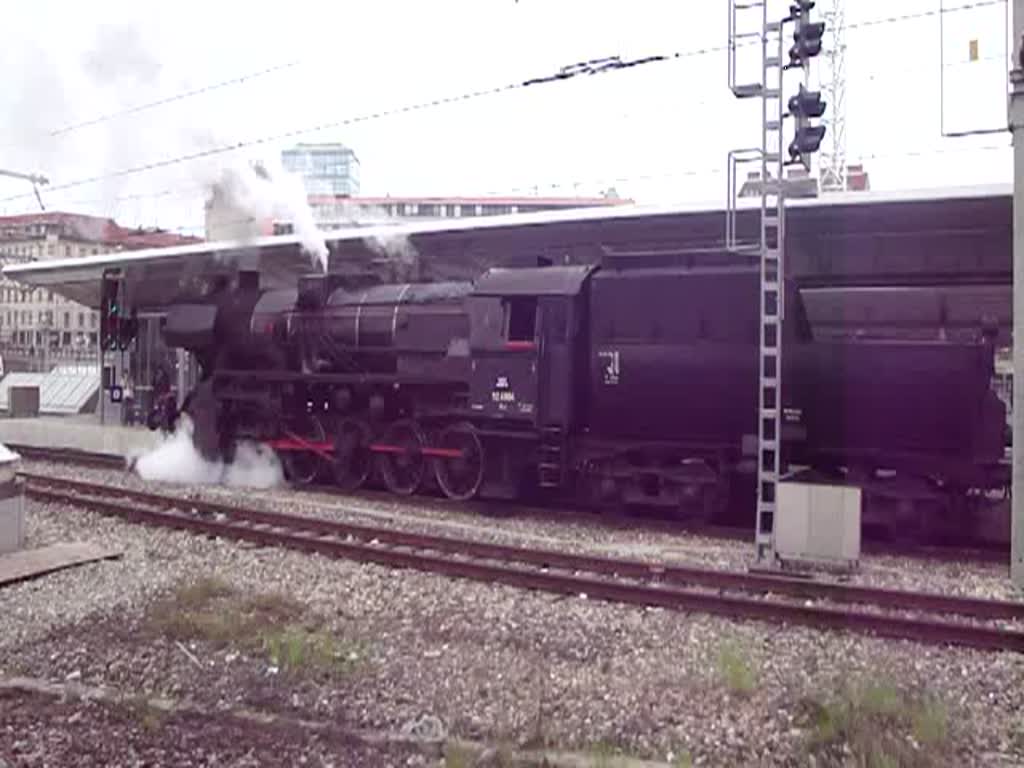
775,60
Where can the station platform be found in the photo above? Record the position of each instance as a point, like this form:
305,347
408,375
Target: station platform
81,433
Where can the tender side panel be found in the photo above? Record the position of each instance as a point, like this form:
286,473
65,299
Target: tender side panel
673,355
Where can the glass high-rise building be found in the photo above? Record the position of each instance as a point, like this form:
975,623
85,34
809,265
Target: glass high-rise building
326,169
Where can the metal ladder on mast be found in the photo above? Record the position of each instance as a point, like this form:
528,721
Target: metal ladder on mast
771,246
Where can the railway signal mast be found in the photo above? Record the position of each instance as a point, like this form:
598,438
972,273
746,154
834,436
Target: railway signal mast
118,330
773,155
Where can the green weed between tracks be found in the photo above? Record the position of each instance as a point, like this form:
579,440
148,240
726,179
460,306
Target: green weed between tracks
882,727
735,670
273,625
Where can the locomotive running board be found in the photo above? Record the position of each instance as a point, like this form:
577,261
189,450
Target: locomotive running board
286,444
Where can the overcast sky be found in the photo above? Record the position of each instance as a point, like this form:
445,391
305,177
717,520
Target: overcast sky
657,133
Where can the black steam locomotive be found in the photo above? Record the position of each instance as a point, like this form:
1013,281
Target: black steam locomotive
614,384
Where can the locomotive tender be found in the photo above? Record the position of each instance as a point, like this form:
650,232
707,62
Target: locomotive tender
624,383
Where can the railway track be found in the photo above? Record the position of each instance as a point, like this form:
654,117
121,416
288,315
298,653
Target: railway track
959,553
888,613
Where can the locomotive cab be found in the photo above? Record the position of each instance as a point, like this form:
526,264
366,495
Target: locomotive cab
526,328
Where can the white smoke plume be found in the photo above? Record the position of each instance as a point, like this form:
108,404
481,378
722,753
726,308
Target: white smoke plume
120,54
244,196
80,111
394,246
176,460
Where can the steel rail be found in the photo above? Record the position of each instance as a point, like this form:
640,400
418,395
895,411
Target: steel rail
452,557
611,566
983,554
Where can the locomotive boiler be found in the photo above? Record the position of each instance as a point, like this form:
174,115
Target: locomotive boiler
623,383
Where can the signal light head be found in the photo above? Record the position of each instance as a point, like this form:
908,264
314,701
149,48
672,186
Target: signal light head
806,141
807,42
807,104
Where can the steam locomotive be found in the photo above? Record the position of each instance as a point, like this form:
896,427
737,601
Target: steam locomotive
613,384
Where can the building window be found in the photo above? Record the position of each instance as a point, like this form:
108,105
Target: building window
81,320
67,319
67,250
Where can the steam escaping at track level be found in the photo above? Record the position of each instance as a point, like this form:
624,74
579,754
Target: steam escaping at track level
176,460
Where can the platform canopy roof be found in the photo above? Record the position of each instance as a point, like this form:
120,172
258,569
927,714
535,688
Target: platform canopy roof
463,247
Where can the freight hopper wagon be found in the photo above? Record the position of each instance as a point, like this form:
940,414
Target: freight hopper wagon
631,383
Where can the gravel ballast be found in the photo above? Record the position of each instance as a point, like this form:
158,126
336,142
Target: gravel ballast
974,579
481,662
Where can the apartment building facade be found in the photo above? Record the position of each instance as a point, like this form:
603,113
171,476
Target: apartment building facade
39,329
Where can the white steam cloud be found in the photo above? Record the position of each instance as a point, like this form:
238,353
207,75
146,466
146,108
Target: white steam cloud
176,460
394,246
245,196
84,108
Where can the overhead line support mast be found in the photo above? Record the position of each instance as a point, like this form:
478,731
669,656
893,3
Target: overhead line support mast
1017,130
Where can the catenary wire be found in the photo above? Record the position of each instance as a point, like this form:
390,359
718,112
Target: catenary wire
588,67
241,79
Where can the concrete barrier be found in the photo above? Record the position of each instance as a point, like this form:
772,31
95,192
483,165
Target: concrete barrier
56,432
12,504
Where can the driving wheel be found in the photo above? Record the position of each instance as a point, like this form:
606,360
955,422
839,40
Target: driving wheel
402,463
353,461
461,473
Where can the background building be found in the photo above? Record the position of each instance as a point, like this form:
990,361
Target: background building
807,186
330,175
39,329
337,211
326,169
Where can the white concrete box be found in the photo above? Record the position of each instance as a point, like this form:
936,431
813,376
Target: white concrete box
12,522
818,522
12,504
